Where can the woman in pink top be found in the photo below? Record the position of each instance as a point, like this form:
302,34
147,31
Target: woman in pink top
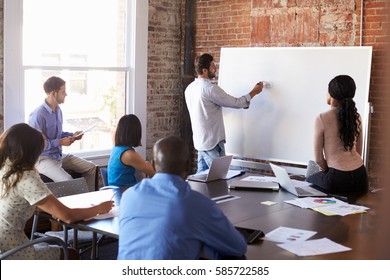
338,140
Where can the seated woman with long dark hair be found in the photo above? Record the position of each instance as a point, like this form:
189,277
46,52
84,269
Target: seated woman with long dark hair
338,139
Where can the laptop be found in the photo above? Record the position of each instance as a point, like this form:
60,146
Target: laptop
255,182
298,188
218,170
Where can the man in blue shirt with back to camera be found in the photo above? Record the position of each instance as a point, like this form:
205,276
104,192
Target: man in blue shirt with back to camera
163,218
47,118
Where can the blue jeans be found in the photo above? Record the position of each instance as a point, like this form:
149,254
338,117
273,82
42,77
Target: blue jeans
206,157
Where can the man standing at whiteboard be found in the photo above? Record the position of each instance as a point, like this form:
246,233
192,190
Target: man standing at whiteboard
205,100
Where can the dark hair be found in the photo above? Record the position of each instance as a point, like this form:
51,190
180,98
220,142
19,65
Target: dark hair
343,88
22,146
53,84
128,131
203,62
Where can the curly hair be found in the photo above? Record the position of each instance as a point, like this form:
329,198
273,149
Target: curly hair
342,88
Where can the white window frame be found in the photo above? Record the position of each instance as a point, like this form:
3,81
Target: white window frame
136,64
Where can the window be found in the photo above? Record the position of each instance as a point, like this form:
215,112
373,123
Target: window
97,46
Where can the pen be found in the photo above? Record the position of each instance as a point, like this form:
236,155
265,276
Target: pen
223,198
108,200
113,195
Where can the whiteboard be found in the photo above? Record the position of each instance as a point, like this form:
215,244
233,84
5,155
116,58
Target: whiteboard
279,123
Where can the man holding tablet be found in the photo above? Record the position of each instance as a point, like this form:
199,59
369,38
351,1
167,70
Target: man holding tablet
48,119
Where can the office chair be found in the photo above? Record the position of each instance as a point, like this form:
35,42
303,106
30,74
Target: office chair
73,237
74,175
104,174
59,189
44,239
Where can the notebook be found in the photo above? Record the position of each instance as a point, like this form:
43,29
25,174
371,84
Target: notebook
218,170
298,188
255,182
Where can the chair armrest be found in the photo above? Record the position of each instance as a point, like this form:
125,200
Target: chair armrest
45,239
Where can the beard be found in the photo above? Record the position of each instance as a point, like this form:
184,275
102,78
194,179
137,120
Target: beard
210,75
60,100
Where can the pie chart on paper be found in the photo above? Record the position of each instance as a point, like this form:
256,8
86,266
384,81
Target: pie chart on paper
325,201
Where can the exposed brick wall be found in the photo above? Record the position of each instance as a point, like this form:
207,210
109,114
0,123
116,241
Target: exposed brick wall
164,100
251,23
375,33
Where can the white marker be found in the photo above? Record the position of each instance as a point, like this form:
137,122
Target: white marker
267,85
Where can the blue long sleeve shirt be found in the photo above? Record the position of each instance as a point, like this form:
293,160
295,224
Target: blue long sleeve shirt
50,123
162,218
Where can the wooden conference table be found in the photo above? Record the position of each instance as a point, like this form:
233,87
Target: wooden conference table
356,231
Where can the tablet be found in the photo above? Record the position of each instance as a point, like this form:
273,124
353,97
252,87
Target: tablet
250,235
86,130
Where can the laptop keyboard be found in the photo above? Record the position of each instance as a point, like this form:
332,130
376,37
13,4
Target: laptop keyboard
201,176
301,191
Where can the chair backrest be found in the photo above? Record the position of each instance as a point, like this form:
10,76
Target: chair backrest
69,187
103,173
60,189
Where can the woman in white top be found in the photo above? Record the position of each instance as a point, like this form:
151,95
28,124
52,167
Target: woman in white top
338,142
22,190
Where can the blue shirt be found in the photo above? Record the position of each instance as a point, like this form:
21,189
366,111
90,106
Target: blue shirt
119,174
162,218
49,122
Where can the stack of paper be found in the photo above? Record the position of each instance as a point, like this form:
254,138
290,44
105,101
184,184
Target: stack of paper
329,206
295,241
286,234
314,247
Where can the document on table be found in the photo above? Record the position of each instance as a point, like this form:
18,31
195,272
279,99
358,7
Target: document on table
341,210
314,247
328,206
114,212
85,200
312,202
286,234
